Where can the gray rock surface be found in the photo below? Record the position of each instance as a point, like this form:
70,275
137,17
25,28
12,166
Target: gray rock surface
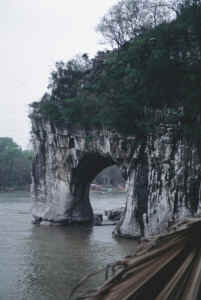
163,176
114,214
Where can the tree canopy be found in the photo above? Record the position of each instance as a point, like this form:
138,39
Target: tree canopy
129,18
15,165
158,69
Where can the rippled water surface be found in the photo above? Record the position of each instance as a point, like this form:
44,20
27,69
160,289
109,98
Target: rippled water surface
44,263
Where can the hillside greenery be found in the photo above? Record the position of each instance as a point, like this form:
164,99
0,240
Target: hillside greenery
15,165
157,69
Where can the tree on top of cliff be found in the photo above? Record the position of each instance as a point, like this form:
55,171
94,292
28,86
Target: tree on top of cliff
127,19
159,69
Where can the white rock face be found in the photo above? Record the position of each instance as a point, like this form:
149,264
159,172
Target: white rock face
163,176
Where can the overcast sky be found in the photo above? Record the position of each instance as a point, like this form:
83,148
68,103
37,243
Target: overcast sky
34,35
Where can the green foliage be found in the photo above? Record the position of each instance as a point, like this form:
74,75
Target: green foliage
159,69
15,165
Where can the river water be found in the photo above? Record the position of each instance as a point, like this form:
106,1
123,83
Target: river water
45,263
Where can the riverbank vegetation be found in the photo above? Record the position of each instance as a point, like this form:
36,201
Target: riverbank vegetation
15,166
151,75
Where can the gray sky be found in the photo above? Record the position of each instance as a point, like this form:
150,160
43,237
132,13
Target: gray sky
34,35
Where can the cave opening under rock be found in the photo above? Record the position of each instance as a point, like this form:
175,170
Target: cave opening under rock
95,176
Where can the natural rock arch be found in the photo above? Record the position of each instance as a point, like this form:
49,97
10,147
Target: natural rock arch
88,167
162,172
62,172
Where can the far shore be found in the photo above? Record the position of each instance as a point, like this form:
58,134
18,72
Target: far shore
15,189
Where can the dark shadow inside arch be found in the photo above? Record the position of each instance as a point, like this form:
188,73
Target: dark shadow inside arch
82,176
91,165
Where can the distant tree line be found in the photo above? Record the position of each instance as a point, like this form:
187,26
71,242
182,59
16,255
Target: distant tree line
152,74
110,176
15,165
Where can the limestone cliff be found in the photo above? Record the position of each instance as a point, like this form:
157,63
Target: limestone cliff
163,175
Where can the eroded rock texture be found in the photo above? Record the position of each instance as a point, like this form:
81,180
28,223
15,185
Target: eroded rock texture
163,175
